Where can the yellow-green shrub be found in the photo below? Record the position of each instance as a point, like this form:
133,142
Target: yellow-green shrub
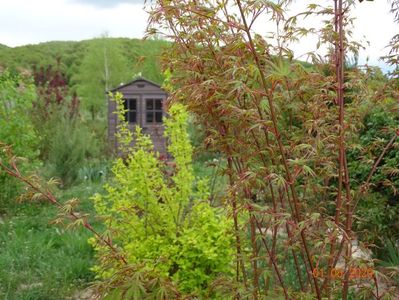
164,224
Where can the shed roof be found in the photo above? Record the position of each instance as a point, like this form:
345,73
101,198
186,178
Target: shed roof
132,82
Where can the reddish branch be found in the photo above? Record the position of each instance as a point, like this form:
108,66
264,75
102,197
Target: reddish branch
343,174
273,259
384,151
14,172
240,261
366,184
274,201
273,116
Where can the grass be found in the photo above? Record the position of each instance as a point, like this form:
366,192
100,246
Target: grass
211,167
39,260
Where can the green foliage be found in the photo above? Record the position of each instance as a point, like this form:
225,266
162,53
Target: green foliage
16,129
378,211
163,223
145,57
54,103
89,68
94,171
379,126
71,146
24,57
104,66
40,260
66,141
280,130
203,250
377,220
139,55
16,96
390,261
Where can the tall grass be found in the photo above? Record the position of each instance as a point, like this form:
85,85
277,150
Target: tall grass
40,260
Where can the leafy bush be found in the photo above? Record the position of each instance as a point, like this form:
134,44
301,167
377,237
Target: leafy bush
70,145
94,171
283,128
163,223
16,96
379,126
377,219
66,140
379,211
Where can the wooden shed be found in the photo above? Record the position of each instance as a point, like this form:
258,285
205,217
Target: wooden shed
144,102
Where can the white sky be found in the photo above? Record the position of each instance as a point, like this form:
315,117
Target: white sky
374,26
34,21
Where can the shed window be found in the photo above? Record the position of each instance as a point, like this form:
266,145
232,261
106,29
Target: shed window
153,110
130,106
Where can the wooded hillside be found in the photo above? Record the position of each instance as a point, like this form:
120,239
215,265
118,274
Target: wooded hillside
84,63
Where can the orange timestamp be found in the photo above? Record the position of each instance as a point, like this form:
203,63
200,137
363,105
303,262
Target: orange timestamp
339,273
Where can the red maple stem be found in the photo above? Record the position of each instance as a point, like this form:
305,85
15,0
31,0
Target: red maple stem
53,200
366,184
273,116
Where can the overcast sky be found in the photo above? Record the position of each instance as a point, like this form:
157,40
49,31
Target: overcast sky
34,21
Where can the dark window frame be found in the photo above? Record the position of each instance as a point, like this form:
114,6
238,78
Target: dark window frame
153,110
130,110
